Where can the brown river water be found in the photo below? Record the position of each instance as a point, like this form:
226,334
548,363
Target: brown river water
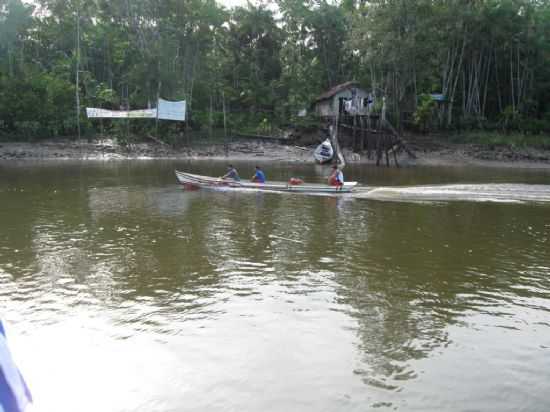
123,292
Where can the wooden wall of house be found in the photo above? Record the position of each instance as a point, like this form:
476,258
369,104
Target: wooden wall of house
346,94
330,107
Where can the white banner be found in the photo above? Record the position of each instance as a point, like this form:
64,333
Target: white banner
166,111
123,114
171,110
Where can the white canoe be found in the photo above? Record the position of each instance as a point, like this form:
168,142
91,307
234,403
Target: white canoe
324,152
207,182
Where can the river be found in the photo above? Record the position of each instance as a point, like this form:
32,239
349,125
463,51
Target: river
123,292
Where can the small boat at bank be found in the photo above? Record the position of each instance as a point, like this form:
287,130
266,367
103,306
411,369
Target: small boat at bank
194,181
324,152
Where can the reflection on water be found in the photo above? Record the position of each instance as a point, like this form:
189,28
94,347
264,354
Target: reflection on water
125,293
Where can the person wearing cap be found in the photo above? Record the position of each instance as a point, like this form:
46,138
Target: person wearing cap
231,173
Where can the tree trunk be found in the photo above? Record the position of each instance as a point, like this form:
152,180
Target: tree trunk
77,85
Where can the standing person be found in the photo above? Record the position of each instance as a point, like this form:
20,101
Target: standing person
259,176
231,173
336,178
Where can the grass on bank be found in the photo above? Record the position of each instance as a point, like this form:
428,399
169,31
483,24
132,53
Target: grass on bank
499,139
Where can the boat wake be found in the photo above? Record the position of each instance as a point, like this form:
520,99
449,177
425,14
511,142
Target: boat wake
505,193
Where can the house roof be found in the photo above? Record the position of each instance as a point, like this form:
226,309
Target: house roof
336,89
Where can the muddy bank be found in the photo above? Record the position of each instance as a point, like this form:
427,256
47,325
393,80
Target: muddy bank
432,154
437,153
110,150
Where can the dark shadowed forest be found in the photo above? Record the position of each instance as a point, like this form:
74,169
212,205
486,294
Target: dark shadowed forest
256,67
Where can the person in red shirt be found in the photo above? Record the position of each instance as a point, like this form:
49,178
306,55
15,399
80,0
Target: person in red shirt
336,178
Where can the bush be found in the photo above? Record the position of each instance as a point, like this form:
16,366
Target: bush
423,116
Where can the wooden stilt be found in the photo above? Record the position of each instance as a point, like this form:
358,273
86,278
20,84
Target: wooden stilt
371,133
355,142
378,149
363,132
336,145
395,157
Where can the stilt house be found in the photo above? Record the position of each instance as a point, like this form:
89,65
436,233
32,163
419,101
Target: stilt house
354,123
344,99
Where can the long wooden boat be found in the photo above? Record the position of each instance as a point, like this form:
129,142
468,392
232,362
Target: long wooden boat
207,182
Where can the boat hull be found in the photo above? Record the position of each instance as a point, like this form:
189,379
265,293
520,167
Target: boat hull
324,152
194,181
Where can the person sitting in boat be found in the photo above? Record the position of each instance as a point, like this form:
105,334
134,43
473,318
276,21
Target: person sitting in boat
259,176
336,178
231,173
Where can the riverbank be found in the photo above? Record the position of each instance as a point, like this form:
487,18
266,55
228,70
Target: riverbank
429,153
432,151
110,150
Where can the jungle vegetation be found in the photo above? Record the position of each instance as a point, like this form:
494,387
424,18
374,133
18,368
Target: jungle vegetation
256,66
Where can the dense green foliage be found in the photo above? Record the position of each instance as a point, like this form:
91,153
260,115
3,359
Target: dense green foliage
261,64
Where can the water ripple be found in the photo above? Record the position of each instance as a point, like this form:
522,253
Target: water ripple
249,297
